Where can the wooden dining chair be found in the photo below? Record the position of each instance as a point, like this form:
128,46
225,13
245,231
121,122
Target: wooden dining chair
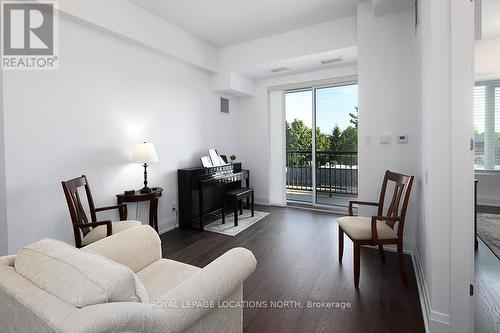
92,230
381,229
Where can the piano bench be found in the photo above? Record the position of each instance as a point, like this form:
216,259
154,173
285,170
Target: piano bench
236,197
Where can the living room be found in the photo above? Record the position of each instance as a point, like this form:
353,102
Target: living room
141,93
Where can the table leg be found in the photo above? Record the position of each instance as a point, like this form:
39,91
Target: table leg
156,214
123,213
153,214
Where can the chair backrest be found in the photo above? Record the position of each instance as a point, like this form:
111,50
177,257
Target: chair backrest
75,206
400,197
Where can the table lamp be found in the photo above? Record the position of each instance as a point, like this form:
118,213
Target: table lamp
145,153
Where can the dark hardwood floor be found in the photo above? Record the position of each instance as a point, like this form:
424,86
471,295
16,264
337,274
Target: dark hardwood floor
487,300
297,259
487,285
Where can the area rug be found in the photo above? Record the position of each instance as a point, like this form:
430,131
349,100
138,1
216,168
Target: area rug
488,229
244,221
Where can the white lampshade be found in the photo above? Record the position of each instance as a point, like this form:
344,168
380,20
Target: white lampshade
144,153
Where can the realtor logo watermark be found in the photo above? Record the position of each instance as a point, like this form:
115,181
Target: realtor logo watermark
30,35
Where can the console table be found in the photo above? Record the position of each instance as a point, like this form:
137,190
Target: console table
152,197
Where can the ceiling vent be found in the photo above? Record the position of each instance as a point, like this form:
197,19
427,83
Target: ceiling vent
330,61
279,69
224,105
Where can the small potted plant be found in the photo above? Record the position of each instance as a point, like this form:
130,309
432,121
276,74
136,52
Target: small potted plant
232,158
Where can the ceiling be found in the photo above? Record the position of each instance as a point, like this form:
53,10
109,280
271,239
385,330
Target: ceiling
228,22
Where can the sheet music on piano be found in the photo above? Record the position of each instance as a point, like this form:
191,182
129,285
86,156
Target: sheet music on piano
215,158
206,162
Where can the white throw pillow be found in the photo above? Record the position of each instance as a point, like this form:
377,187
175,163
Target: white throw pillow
78,277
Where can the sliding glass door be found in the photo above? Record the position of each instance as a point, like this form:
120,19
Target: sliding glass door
336,144
331,148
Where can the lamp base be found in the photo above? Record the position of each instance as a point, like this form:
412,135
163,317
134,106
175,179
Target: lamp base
145,189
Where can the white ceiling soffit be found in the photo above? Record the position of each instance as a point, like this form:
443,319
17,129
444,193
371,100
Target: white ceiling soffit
313,62
384,7
230,22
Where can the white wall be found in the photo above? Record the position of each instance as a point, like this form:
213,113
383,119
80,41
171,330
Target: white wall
487,60
4,243
388,104
254,125
84,119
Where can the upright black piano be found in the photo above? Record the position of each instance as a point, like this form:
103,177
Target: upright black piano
201,192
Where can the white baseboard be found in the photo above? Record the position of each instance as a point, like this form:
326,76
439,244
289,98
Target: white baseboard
167,224
434,321
422,286
407,247
262,200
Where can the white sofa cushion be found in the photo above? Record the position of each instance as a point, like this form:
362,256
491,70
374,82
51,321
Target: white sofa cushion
163,275
77,277
136,248
101,231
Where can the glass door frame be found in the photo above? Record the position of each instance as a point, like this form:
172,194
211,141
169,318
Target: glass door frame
313,88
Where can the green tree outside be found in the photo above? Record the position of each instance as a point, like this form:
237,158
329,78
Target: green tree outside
299,138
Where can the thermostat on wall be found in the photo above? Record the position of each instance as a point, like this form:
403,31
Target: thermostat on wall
402,138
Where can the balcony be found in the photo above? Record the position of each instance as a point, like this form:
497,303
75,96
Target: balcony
336,177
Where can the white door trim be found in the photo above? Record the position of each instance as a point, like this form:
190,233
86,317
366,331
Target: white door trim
462,173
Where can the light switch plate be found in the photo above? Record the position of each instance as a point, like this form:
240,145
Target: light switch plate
385,139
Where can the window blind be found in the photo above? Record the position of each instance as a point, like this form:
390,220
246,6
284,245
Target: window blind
487,126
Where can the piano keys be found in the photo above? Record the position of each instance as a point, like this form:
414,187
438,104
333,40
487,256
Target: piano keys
201,192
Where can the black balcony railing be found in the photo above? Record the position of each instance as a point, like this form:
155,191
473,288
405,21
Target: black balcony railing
336,172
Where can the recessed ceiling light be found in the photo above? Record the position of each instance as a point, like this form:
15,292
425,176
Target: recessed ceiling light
279,69
330,61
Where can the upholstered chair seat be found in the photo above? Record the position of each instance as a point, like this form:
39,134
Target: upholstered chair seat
101,231
359,228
